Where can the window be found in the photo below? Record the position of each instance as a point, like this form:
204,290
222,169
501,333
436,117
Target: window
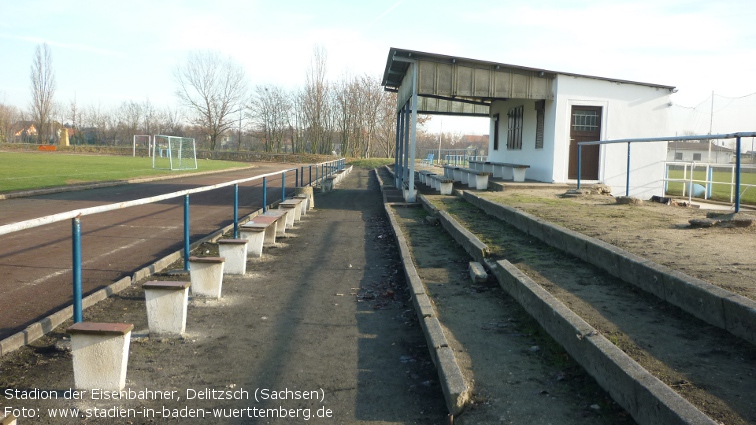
514,134
678,156
696,157
585,120
540,107
496,132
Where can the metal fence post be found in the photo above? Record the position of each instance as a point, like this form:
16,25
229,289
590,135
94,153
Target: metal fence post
236,211
310,184
296,178
627,178
580,152
265,194
186,232
76,245
316,174
283,186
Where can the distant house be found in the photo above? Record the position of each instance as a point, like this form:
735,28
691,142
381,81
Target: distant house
23,131
700,152
537,116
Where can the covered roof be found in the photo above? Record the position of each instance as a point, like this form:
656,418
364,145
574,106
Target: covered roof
461,86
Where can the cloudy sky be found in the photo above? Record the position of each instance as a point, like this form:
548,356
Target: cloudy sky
106,52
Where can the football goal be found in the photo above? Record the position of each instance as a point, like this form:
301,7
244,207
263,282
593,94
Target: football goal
174,153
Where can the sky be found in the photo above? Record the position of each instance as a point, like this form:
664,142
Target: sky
107,52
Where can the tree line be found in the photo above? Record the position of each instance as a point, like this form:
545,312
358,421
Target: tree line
352,116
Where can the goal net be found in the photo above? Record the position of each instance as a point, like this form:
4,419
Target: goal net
174,153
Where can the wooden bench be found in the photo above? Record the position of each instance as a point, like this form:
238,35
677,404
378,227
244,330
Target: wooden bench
501,169
283,218
293,204
166,307
423,176
100,354
441,183
475,179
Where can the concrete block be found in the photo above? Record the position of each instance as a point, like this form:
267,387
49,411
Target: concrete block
206,274
235,253
535,229
8,420
166,307
423,306
255,236
456,391
604,256
306,191
295,205
100,354
290,215
695,296
281,216
477,249
641,273
740,316
477,272
434,336
303,205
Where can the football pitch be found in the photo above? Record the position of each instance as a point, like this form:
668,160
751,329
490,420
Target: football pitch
25,171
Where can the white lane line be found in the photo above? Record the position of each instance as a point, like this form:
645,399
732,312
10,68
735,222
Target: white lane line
91,260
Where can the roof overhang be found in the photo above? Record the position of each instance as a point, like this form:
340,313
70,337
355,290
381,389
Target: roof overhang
451,85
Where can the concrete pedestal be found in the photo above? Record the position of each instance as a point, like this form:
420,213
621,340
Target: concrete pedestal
254,233
235,253
206,274
305,203
306,191
100,354
166,307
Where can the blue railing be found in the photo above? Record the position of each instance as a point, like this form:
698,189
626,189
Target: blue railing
326,169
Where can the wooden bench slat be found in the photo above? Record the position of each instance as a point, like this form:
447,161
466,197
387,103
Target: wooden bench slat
206,259
165,284
98,328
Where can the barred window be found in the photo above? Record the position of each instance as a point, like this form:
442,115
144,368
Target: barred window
496,133
540,107
514,134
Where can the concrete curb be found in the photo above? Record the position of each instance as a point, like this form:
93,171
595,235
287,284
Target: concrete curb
712,304
646,398
455,389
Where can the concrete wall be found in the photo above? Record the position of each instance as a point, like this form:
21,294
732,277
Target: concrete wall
628,110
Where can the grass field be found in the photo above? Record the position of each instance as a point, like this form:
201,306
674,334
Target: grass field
719,192
24,171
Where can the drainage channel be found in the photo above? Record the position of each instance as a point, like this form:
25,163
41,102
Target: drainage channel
710,368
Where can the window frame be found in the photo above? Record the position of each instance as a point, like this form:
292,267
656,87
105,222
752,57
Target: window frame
514,127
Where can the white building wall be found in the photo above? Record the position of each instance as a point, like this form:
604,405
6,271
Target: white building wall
628,111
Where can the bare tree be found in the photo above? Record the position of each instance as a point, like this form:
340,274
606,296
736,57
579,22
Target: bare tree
317,104
9,115
212,88
43,90
271,108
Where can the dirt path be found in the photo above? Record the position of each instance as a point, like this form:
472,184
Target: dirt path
325,310
710,368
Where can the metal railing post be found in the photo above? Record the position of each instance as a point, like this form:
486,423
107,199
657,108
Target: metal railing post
580,152
265,194
737,174
316,174
296,178
186,232
236,211
76,245
283,186
627,178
